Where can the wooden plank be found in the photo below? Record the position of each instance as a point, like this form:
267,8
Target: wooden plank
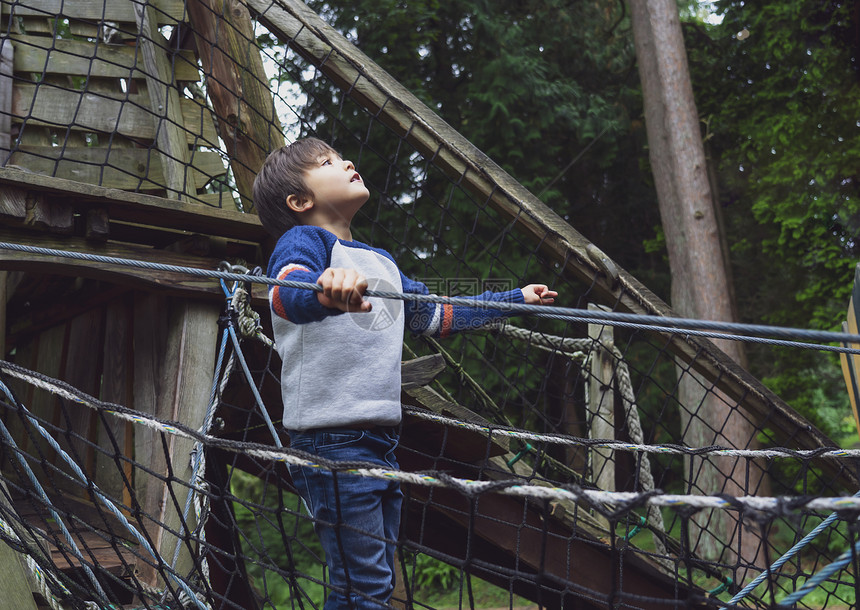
107,546
38,54
103,32
6,87
447,442
505,530
44,405
34,25
108,557
98,224
125,168
55,216
16,585
250,128
169,11
150,340
110,113
184,359
421,371
83,370
114,434
171,282
45,313
135,207
164,102
13,204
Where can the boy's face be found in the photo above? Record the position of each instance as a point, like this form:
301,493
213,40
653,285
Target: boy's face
337,188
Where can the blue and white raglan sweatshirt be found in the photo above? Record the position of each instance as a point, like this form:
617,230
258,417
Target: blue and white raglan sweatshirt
343,369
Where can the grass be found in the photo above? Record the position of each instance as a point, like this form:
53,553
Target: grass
484,596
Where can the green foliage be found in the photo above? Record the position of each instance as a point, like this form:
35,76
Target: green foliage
777,84
430,573
783,114
824,402
280,545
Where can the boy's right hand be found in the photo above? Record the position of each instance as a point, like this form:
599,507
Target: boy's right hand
343,289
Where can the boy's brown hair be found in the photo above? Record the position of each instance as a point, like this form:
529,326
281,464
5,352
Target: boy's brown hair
283,174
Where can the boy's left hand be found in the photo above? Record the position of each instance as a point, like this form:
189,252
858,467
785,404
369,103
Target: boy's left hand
538,294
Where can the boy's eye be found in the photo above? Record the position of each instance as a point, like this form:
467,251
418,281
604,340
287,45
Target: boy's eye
326,162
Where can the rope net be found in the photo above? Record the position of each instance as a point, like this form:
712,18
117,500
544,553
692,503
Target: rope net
566,463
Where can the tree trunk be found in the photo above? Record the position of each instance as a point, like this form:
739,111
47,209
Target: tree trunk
700,286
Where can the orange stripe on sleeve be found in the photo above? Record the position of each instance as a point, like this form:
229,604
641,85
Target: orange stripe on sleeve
447,320
277,305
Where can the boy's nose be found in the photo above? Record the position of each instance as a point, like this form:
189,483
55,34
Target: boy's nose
348,165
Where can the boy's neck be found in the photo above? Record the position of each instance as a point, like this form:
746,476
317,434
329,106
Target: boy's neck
341,230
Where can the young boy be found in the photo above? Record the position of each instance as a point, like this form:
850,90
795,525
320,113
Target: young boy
340,375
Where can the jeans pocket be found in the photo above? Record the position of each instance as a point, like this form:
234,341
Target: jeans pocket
335,439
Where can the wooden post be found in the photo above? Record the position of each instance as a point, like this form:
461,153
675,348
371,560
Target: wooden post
236,83
164,99
117,384
82,369
601,402
175,345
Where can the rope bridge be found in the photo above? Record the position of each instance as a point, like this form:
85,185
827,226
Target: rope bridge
266,520
605,455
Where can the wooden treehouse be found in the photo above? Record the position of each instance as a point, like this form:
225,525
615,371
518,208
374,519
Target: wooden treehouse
134,130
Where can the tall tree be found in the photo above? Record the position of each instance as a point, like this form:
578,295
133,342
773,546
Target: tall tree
700,287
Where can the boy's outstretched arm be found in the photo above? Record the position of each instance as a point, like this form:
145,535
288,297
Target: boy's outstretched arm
538,294
441,320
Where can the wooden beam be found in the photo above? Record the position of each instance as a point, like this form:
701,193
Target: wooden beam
169,11
421,371
117,387
39,54
170,282
125,206
164,104
238,87
105,112
497,529
118,168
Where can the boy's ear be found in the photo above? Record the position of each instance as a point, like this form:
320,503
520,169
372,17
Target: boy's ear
299,203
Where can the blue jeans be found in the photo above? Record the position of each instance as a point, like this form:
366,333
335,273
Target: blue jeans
356,518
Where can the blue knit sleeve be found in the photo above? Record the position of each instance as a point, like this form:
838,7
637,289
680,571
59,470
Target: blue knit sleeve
301,255
441,320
